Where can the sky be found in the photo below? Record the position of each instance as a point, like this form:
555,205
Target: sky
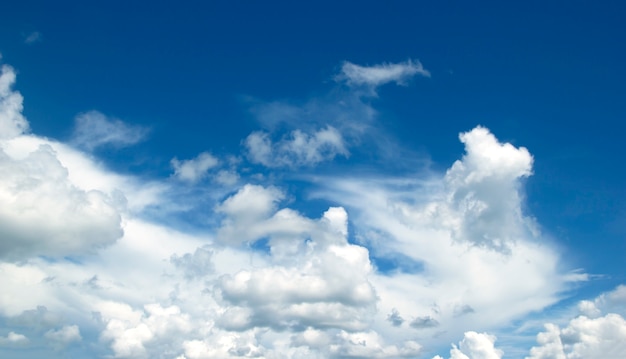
345,179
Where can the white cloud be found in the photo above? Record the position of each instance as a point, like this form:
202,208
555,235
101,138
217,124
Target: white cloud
195,169
475,346
13,339
296,149
12,122
93,129
36,189
479,258
485,192
601,336
64,336
374,76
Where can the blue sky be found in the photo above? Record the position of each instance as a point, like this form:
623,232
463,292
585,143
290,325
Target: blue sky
312,180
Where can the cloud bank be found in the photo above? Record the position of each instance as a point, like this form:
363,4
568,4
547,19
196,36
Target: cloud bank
391,267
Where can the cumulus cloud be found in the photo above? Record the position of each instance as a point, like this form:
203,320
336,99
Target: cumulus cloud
475,346
484,187
479,258
377,75
93,129
12,122
317,279
64,336
193,170
601,336
296,149
13,339
36,189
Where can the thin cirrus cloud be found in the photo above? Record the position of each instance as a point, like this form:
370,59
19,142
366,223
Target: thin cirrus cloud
93,130
33,37
98,277
377,75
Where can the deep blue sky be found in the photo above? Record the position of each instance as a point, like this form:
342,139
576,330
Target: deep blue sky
547,75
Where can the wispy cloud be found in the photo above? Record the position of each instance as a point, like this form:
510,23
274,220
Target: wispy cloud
296,149
377,75
33,37
12,121
193,170
93,129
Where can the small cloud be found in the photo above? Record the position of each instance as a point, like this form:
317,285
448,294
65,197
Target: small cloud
297,148
93,129
61,338
395,318
13,340
377,75
460,310
195,169
33,37
424,322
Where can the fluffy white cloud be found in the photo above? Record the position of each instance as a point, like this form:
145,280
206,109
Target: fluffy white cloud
195,169
93,129
36,189
13,339
469,254
131,331
483,190
599,336
12,122
317,278
374,76
296,149
475,346
64,336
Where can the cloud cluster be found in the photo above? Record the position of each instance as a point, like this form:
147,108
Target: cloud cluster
296,149
389,268
599,332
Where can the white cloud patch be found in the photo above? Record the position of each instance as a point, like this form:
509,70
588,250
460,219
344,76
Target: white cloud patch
475,346
296,149
63,337
93,129
13,340
603,335
377,75
12,122
36,189
484,190
195,169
